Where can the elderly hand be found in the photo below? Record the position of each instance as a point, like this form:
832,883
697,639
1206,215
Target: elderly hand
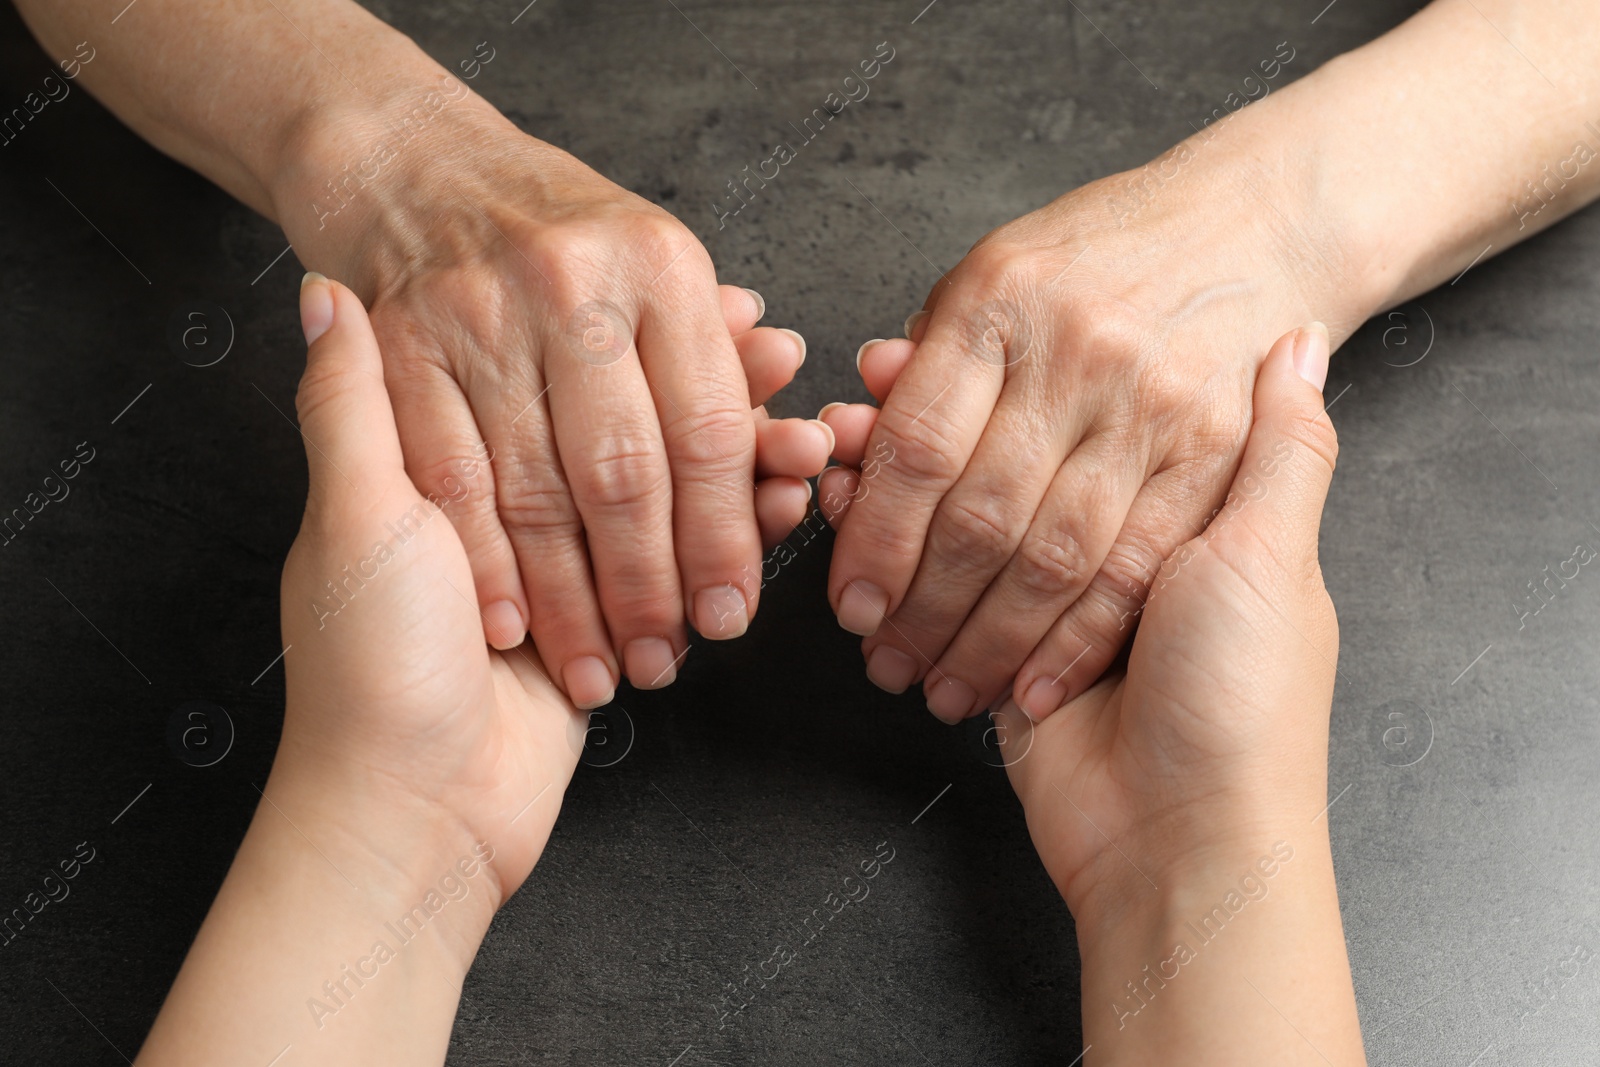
1070,408
536,315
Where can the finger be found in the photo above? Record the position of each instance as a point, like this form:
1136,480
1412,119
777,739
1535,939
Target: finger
851,425
926,433
780,506
610,447
345,416
703,405
536,508
917,324
771,358
837,488
798,448
741,308
974,532
1289,458
1087,638
1034,754
447,458
880,364
1062,550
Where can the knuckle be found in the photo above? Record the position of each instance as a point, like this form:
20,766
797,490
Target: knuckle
1313,430
1129,568
538,510
1164,393
640,599
628,477
1053,566
1109,328
997,263
460,478
563,252
974,531
924,447
719,438
321,385
1218,426
661,241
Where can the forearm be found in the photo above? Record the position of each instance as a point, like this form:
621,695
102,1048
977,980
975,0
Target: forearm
1239,958
350,945
1444,129
1394,167
234,88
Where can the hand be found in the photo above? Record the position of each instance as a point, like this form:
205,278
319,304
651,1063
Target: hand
1073,403
1177,806
390,686
1223,708
535,315
387,666
1221,720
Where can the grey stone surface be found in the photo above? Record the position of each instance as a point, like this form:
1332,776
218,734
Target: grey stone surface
1465,847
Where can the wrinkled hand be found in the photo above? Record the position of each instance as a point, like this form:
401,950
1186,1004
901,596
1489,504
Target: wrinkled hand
1069,409
563,364
389,679
1219,729
1219,722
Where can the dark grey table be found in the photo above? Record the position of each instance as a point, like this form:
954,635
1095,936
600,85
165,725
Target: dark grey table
1465,749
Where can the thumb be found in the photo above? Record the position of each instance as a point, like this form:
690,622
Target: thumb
1282,482
345,416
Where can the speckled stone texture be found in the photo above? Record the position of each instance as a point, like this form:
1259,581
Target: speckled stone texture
1466,854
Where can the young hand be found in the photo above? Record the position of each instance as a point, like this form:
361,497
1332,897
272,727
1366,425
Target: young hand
1178,806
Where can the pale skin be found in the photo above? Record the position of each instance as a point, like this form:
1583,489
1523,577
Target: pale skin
420,769
1104,345
1075,404
1197,779
408,746
529,308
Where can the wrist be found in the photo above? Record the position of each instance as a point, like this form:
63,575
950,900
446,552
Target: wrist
1193,846
417,868
1402,163
1314,226
361,190
1264,914
353,170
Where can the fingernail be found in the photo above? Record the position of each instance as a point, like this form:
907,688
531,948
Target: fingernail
862,607
316,306
951,699
890,669
829,407
720,612
832,441
650,662
504,625
761,303
588,682
914,320
810,492
1043,697
801,341
1311,353
863,351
